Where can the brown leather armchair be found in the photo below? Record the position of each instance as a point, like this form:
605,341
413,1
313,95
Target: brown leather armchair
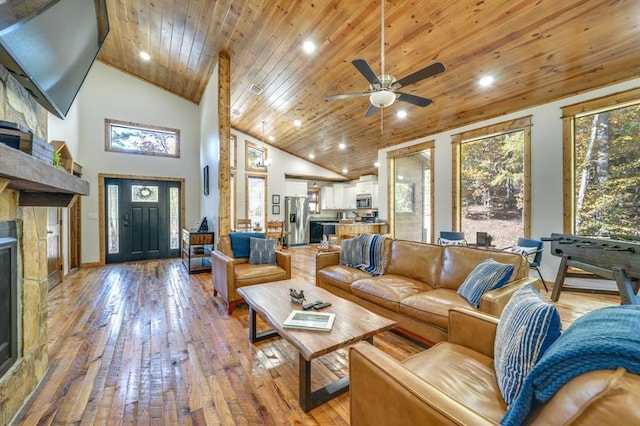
454,383
230,273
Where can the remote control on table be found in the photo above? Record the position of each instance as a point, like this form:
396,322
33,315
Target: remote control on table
322,305
310,305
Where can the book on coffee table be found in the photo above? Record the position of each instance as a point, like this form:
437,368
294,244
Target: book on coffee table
322,321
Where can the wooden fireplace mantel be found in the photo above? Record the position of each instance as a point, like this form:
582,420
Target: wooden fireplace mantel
40,184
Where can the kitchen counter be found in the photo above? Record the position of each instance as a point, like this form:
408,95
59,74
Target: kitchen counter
350,230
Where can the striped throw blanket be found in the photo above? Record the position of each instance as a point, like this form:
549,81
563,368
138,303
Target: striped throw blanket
604,339
373,257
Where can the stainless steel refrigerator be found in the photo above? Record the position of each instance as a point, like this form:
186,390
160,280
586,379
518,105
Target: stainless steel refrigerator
296,220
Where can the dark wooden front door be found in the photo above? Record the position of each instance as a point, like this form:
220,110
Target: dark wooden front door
139,220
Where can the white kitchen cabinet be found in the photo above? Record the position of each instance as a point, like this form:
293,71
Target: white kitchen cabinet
327,199
349,197
364,188
338,196
295,188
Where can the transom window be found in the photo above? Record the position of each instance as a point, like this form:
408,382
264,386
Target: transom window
133,138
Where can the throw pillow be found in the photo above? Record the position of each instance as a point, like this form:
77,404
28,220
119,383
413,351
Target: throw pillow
488,275
527,327
240,242
351,252
446,242
528,252
262,251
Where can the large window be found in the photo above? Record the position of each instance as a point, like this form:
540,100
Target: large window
602,161
256,200
411,212
491,185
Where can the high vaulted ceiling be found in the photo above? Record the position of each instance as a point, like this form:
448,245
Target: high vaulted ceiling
537,51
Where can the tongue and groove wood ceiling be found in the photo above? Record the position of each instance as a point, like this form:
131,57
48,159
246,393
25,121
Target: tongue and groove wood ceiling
537,51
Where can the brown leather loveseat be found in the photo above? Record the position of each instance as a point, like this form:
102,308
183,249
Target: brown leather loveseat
454,383
230,273
420,284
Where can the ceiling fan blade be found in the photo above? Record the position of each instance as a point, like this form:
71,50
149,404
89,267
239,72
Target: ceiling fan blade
371,110
413,99
346,96
364,68
426,72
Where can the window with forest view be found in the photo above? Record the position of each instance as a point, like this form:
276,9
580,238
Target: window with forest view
606,164
493,189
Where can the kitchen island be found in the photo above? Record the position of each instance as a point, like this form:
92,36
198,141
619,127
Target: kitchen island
350,230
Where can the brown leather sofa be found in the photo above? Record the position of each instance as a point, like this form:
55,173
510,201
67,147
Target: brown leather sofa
229,273
420,284
454,383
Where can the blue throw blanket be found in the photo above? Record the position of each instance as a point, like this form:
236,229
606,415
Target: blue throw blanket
604,339
373,260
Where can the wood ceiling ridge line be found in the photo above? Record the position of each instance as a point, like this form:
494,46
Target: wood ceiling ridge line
201,59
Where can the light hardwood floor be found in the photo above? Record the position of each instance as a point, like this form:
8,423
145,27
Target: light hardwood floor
147,343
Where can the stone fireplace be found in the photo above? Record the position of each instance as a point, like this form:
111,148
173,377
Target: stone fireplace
31,362
21,378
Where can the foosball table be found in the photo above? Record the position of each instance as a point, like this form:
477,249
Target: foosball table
615,258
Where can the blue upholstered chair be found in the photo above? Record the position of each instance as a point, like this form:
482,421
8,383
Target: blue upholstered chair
452,238
535,257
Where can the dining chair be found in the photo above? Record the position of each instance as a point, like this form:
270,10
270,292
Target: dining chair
275,230
452,238
243,225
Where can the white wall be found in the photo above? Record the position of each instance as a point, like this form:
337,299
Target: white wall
109,93
546,168
210,153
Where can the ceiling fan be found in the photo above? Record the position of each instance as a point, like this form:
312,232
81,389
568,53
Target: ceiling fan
383,88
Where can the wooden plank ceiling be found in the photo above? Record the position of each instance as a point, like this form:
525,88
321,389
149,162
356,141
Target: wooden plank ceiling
537,51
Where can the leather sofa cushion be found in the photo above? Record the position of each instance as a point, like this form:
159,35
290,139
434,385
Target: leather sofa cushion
464,375
341,276
247,274
458,262
415,260
387,290
433,306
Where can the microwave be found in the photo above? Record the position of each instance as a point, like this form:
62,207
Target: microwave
363,201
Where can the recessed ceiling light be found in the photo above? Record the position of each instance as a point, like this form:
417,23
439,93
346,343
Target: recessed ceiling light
486,81
297,123
308,46
402,114
312,156
271,138
342,146
376,164
145,56
400,177
345,170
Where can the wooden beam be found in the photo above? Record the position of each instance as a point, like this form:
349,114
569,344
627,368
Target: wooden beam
45,199
224,117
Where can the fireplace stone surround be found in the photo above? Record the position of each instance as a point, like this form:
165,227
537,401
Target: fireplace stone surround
22,378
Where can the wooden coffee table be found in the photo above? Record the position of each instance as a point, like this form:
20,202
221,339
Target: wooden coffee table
353,323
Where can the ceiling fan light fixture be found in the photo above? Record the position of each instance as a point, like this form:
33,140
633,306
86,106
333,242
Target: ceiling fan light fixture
382,98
